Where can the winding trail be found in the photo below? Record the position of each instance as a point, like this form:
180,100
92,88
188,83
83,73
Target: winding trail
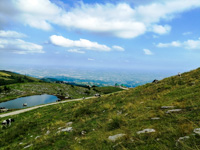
35,107
39,106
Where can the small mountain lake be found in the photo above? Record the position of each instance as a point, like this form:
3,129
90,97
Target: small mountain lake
29,100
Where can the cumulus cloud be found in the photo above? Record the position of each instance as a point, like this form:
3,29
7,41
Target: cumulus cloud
82,43
189,44
19,46
11,34
172,44
118,48
10,42
120,19
76,51
147,52
79,46
35,13
161,29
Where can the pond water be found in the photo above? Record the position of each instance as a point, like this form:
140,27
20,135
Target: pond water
29,100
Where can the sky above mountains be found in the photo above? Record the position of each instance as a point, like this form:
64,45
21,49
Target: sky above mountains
131,34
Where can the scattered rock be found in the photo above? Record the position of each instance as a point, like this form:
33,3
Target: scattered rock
173,110
69,123
115,137
183,138
83,132
167,107
146,131
47,132
119,112
58,132
37,137
68,129
155,118
28,146
197,131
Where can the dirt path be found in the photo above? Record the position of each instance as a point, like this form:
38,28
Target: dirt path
35,107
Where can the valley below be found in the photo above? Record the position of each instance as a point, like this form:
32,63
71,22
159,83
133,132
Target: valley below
160,115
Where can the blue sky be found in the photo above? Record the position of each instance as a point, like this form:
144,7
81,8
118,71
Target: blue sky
130,34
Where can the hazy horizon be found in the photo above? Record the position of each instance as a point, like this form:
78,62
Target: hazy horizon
130,35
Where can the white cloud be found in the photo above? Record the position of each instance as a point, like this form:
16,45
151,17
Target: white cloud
79,46
35,13
11,34
118,48
161,29
82,43
172,44
76,51
147,52
192,44
91,59
10,42
189,44
120,19
19,46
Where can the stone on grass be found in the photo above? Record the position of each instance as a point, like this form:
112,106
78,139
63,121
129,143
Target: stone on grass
116,137
155,118
47,132
37,137
28,146
69,123
173,110
183,138
167,107
83,132
146,131
68,129
197,131
119,112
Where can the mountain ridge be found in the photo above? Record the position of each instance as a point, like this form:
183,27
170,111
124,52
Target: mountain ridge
154,116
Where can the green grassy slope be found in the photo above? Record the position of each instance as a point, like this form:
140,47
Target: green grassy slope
7,77
14,85
125,112
37,88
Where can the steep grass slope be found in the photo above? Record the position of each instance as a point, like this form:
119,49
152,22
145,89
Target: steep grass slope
125,113
7,77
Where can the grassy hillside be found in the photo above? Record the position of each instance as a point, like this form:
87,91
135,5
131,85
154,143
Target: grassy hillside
7,77
37,88
125,113
15,85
